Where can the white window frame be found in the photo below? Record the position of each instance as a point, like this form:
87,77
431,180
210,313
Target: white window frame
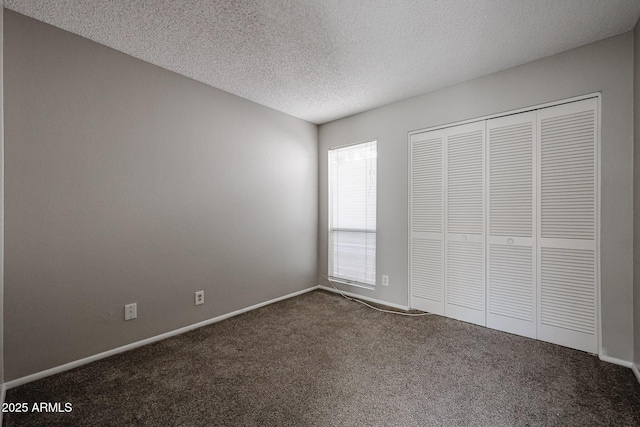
332,229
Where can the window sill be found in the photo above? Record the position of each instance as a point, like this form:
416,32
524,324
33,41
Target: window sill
354,284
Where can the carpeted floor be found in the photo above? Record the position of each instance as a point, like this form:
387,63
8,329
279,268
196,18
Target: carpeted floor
320,360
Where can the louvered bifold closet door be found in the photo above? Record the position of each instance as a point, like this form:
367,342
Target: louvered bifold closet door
427,222
511,284
464,213
567,225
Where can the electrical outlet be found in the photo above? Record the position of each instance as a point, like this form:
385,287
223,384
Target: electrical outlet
199,297
130,311
385,280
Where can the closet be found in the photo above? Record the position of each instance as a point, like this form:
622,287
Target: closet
503,223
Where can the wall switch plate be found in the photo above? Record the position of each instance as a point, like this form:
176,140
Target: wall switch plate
130,311
199,297
385,280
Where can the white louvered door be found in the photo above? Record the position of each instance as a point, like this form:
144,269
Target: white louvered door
464,224
567,232
504,232
511,284
427,222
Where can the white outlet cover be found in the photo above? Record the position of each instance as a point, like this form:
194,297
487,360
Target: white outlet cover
385,280
130,311
199,297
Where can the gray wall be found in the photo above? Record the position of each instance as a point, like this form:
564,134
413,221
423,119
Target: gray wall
129,183
605,66
636,193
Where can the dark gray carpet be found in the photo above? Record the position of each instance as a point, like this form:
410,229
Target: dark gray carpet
321,360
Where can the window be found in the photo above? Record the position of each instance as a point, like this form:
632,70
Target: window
352,213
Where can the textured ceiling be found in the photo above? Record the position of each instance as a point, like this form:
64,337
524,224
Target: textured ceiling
325,59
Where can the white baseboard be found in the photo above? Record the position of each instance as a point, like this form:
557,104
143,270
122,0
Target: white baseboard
636,371
615,361
621,362
373,300
71,365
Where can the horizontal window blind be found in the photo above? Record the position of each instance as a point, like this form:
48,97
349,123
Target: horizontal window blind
352,213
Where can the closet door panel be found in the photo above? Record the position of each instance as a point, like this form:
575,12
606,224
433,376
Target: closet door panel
465,179
427,275
511,284
511,293
464,213
567,248
427,222
465,281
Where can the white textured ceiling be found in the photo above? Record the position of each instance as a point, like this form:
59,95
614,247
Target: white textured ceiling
325,59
